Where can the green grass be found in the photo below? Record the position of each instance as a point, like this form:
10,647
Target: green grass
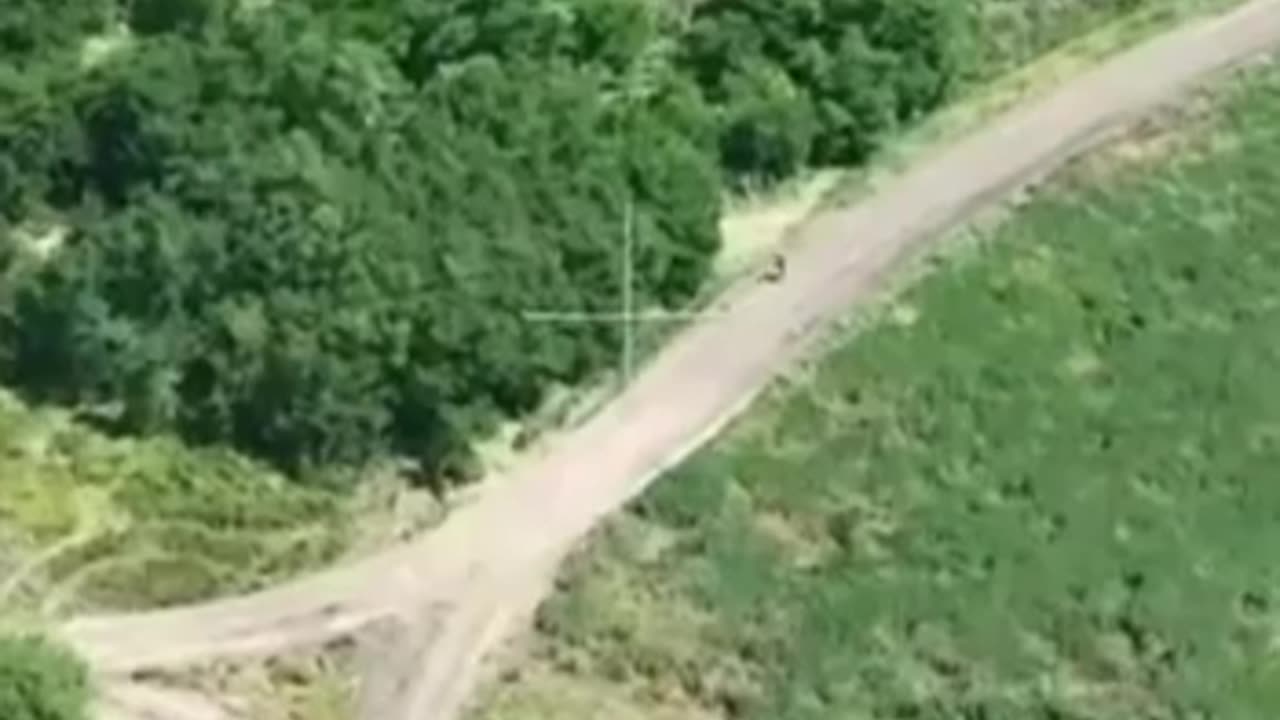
41,681
1040,486
94,522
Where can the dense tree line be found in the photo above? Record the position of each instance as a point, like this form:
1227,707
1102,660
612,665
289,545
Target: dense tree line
310,230
28,28
820,81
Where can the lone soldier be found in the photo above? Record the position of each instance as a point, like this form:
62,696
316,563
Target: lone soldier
777,268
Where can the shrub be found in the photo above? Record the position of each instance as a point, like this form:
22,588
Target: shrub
40,682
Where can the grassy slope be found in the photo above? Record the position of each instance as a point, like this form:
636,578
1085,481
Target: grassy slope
88,521
1039,487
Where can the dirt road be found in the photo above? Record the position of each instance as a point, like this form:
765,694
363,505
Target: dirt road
128,701
488,563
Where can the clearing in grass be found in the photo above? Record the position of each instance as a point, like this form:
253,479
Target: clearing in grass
1039,487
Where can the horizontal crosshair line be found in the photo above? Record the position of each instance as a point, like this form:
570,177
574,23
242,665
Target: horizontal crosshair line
647,316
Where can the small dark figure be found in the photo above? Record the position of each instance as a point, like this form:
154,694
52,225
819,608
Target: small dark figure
777,269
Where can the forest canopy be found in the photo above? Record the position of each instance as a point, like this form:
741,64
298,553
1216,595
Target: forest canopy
310,230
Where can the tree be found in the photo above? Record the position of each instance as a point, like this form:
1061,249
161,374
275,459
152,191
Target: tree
150,17
297,240
819,81
769,125
39,681
312,232
29,28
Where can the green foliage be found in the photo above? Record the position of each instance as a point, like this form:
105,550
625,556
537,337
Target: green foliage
770,127
32,28
40,682
317,246
1041,487
150,17
820,81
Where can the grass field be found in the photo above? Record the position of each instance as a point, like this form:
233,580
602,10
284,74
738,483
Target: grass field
1041,485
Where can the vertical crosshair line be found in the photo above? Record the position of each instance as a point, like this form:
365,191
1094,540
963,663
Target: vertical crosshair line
628,292
629,318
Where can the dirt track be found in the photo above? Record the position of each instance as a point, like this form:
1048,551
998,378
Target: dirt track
127,701
489,563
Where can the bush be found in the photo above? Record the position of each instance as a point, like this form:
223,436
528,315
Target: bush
30,28
41,682
769,124
150,17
